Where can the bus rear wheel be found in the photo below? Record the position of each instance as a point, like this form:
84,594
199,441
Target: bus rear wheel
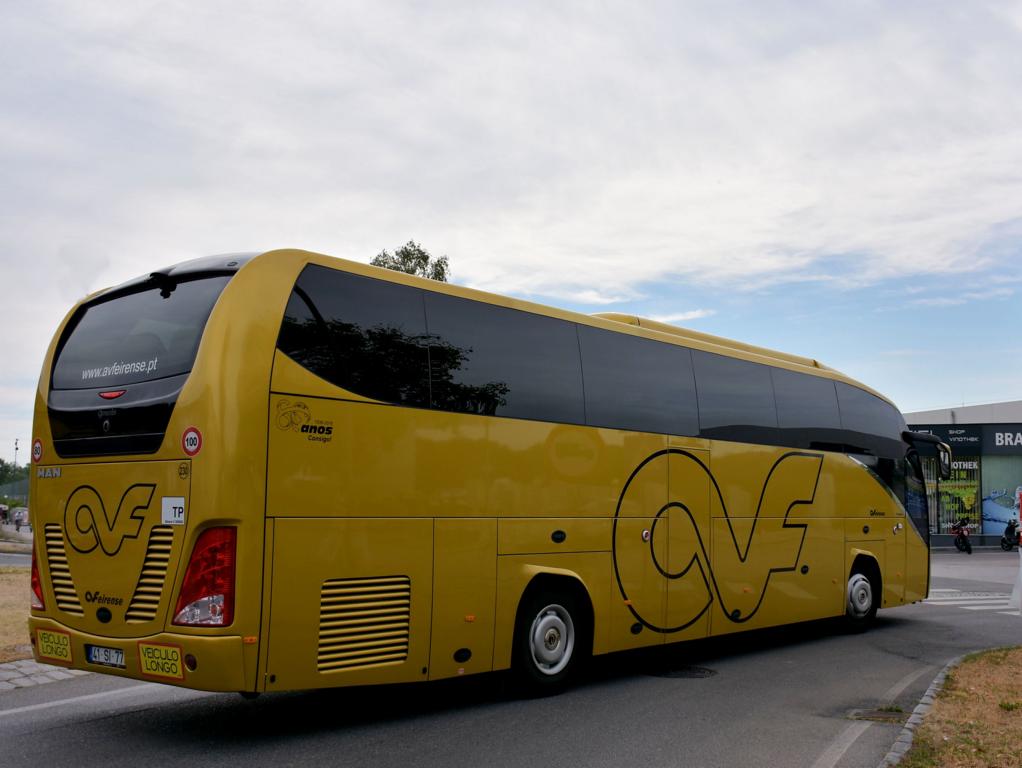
549,641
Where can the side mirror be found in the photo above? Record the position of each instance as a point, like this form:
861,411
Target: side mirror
944,460
919,439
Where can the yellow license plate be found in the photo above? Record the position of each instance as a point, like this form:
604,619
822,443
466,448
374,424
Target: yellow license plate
53,645
161,660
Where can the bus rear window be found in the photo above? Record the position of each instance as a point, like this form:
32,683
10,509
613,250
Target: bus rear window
149,334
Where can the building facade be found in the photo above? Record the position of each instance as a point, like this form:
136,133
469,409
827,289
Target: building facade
986,479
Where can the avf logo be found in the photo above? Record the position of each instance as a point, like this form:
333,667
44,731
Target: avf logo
88,525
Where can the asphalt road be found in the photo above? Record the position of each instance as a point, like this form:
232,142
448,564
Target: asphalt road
779,698
11,558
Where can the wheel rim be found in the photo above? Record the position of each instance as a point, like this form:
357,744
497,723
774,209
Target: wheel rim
552,639
860,596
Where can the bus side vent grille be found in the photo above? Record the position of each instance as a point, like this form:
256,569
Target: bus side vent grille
60,572
364,622
146,600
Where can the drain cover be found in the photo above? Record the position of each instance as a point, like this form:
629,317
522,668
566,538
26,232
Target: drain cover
695,672
887,715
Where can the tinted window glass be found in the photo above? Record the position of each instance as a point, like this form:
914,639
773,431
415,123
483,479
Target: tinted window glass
915,495
865,413
151,334
804,401
362,334
736,399
636,383
498,361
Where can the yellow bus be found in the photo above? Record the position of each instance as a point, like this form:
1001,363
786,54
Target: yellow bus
290,471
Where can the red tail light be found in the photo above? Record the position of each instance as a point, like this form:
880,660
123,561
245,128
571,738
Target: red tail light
207,593
37,586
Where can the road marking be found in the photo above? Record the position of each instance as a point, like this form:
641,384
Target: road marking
832,754
840,745
76,699
895,690
973,601
968,596
991,606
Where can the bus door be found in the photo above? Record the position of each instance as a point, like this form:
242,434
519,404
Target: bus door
640,540
895,527
687,568
896,532
917,542
879,525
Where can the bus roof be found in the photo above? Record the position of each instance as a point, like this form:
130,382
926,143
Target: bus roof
720,341
636,325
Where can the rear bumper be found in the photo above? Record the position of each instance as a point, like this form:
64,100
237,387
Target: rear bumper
160,658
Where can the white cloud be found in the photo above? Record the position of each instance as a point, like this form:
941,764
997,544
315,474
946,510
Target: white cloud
964,298
682,317
576,152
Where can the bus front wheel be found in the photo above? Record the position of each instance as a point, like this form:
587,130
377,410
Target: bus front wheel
549,644
861,597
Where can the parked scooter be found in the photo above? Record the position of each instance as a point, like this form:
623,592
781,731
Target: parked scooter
961,534
1010,537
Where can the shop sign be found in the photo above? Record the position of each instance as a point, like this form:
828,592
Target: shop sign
1002,439
965,440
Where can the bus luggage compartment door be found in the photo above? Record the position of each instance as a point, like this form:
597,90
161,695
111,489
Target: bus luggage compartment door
350,602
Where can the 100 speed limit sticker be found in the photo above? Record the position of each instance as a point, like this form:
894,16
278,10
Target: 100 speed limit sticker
191,441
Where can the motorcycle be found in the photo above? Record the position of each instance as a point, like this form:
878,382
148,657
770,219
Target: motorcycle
1010,537
960,530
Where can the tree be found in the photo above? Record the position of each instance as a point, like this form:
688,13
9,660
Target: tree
413,259
10,472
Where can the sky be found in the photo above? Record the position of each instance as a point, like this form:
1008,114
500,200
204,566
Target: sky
838,180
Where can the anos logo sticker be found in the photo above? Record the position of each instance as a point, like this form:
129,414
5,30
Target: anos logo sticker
296,417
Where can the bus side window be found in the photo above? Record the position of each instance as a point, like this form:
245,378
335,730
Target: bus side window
807,411
805,401
638,384
362,334
505,362
736,399
868,419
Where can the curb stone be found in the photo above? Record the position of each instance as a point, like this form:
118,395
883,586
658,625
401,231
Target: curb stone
904,741
27,673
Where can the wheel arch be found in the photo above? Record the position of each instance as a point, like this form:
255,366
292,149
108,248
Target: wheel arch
867,563
529,579
552,581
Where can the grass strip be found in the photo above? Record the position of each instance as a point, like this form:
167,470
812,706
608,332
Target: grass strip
15,583
976,718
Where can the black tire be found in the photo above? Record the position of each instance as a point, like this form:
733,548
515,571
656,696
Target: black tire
960,543
551,641
968,546
1006,545
862,598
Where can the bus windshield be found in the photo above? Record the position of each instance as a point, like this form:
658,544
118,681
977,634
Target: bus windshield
150,334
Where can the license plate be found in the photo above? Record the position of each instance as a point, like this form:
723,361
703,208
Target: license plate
107,657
